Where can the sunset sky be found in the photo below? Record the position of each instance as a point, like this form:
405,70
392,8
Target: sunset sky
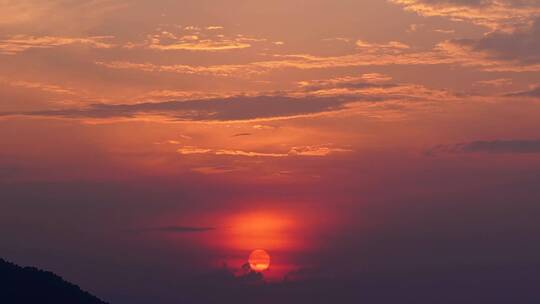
145,144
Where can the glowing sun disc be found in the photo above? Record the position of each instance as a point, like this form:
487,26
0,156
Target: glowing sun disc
259,260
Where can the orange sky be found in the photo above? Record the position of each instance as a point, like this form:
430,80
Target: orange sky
277,124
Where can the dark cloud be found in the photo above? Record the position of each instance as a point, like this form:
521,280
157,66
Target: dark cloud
494,146
242,134
222,109
522,45
529,93
182,229
354,85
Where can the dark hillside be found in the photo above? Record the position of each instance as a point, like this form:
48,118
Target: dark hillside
31,285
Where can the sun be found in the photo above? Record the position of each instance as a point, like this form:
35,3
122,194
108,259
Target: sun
259,260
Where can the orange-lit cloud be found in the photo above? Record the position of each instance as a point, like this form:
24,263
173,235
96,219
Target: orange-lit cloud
225,152
496,82
51,88
495,14
197,39
216,70
20,43
392,46
321,150
455,53
471,57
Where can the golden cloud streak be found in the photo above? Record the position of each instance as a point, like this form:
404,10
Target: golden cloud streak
310,151
20,43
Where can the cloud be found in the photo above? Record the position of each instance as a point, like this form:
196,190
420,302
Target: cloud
207,39
494,14
368,54
514,146
535,93
522,45
499,82
220,109
312,151
514,39
208,170
466,52
214,27
315,98
444,31
452,52
196,43
195,38
392,53
365,81
45,87
214,70
182,229
168,142
320,150
391,47
191,150
21,43
414,27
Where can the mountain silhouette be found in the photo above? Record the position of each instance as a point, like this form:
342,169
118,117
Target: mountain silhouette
21,285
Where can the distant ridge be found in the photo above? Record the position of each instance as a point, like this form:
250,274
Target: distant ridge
30,285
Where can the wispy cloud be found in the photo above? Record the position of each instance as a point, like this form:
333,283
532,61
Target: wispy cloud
191,150
310,151
196,38
320,150
534,92
499,82
495,14
511,146
391,47
46,87
20,43
211,170
365,81
463,53
181,229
